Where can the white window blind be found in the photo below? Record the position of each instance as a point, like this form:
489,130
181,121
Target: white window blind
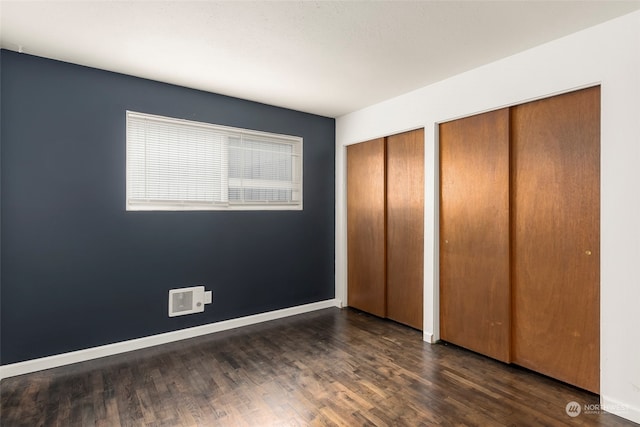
175,164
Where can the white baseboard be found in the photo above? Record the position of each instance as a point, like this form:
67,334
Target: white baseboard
54,361
615,407
429,337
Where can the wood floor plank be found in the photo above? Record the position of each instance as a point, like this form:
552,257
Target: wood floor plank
327,368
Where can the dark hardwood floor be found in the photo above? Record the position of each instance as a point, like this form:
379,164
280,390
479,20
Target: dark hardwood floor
326,368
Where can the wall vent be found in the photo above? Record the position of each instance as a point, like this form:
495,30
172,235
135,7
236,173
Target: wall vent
188,300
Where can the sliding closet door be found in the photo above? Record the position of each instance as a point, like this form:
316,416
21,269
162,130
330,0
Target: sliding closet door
405,227
366,226
474,233
556,229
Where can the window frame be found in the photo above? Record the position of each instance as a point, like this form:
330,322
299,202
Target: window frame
295,185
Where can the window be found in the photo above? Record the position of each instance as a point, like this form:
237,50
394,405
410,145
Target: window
175,164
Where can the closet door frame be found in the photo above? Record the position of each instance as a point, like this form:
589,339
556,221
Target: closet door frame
385,232
583,370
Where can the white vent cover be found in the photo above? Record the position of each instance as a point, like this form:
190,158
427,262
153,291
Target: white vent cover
188,300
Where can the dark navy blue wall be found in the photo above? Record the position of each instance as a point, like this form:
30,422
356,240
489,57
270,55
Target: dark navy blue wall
79,271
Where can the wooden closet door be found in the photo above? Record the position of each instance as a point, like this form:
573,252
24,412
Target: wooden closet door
556,229
405,227
474,233
366,226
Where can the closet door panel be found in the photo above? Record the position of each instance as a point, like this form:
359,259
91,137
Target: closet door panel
556,229
366,226
474,233
405,227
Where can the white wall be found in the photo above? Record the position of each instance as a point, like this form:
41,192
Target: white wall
608,54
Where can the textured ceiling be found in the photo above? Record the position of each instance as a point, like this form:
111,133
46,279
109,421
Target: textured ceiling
327,58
